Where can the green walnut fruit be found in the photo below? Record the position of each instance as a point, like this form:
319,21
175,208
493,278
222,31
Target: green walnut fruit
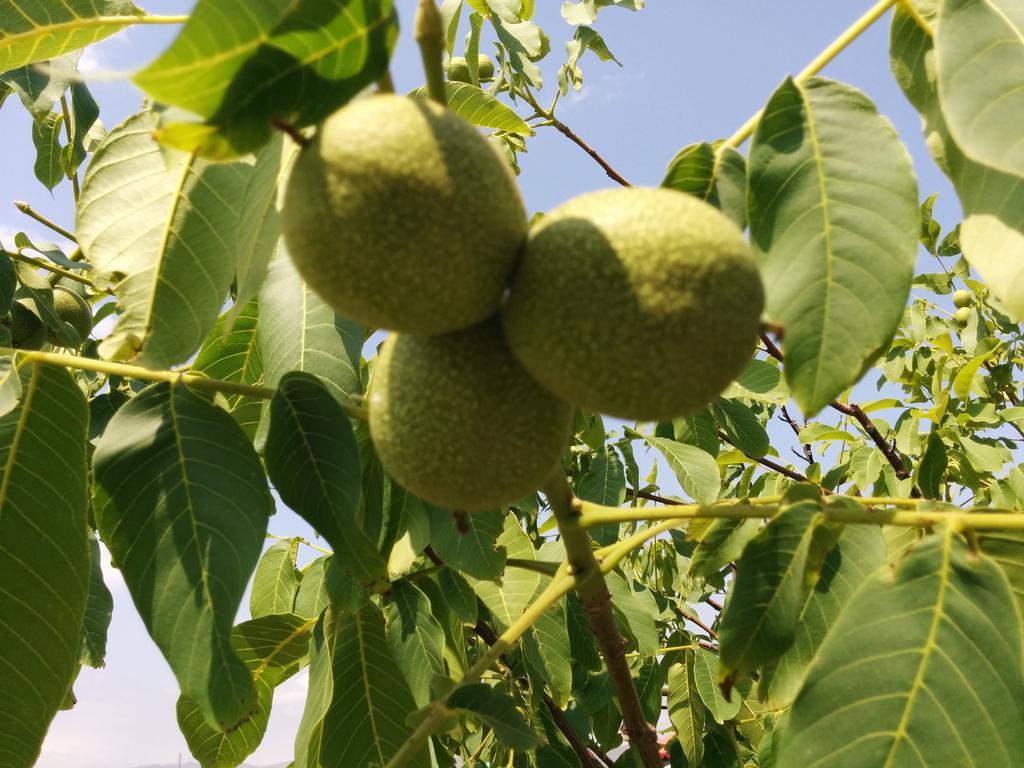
637,303
485,68
27,330
963,299
73,309
963,316
458,422
402,216
458,69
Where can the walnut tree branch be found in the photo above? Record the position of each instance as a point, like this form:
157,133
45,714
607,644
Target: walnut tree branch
597,601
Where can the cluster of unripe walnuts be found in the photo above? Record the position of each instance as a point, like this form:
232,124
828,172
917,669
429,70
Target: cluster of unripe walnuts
28,331
637,303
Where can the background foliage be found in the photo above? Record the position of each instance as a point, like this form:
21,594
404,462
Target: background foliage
769,619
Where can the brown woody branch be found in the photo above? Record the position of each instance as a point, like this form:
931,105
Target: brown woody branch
856,412
807,455
766,462
597,601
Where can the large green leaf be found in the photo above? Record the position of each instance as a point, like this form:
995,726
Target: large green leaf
742,427
276,581
696,469
923,667
716,176
547,652
992,233
185,514
834,220
705,680
274,648
686,709
31,30
162,227
358,702
416,639
722,543
313,461
44,556
235,356
859,553
980,66
300,332
760,618
242,65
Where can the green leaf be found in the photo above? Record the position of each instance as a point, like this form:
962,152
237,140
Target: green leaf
1007,549
162,227
322,584
84,114
716,178
705,679
258,225
98,611
276,581
547,651
761,615
274,648
478,107
686,709
469,544
313,460
35,31
508,599
991,235
834,220
941,639
930,472
980,65
184,519
722,543
635,612
214,748
8,282
460,596
300,332
40,85
859,553
38,288
696,469
46,138
235,356
241,66
416,639
498,711
44,555
604,482
357,703
743,428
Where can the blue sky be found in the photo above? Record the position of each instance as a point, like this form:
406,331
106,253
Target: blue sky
694,70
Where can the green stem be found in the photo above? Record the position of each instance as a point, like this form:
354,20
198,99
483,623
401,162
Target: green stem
597,601
145,374
40,264
911,10
555,591
595,514
429,33
29,211
75,189
838,45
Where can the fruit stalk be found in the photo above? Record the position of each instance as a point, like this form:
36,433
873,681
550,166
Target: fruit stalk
597,601
429,34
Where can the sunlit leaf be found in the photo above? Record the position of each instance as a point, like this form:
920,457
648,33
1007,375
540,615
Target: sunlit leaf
834,220
932,648
184,519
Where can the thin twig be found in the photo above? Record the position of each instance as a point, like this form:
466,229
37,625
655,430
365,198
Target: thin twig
40,264
766,462
858,413
31,212
290,131
566,131
807,455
